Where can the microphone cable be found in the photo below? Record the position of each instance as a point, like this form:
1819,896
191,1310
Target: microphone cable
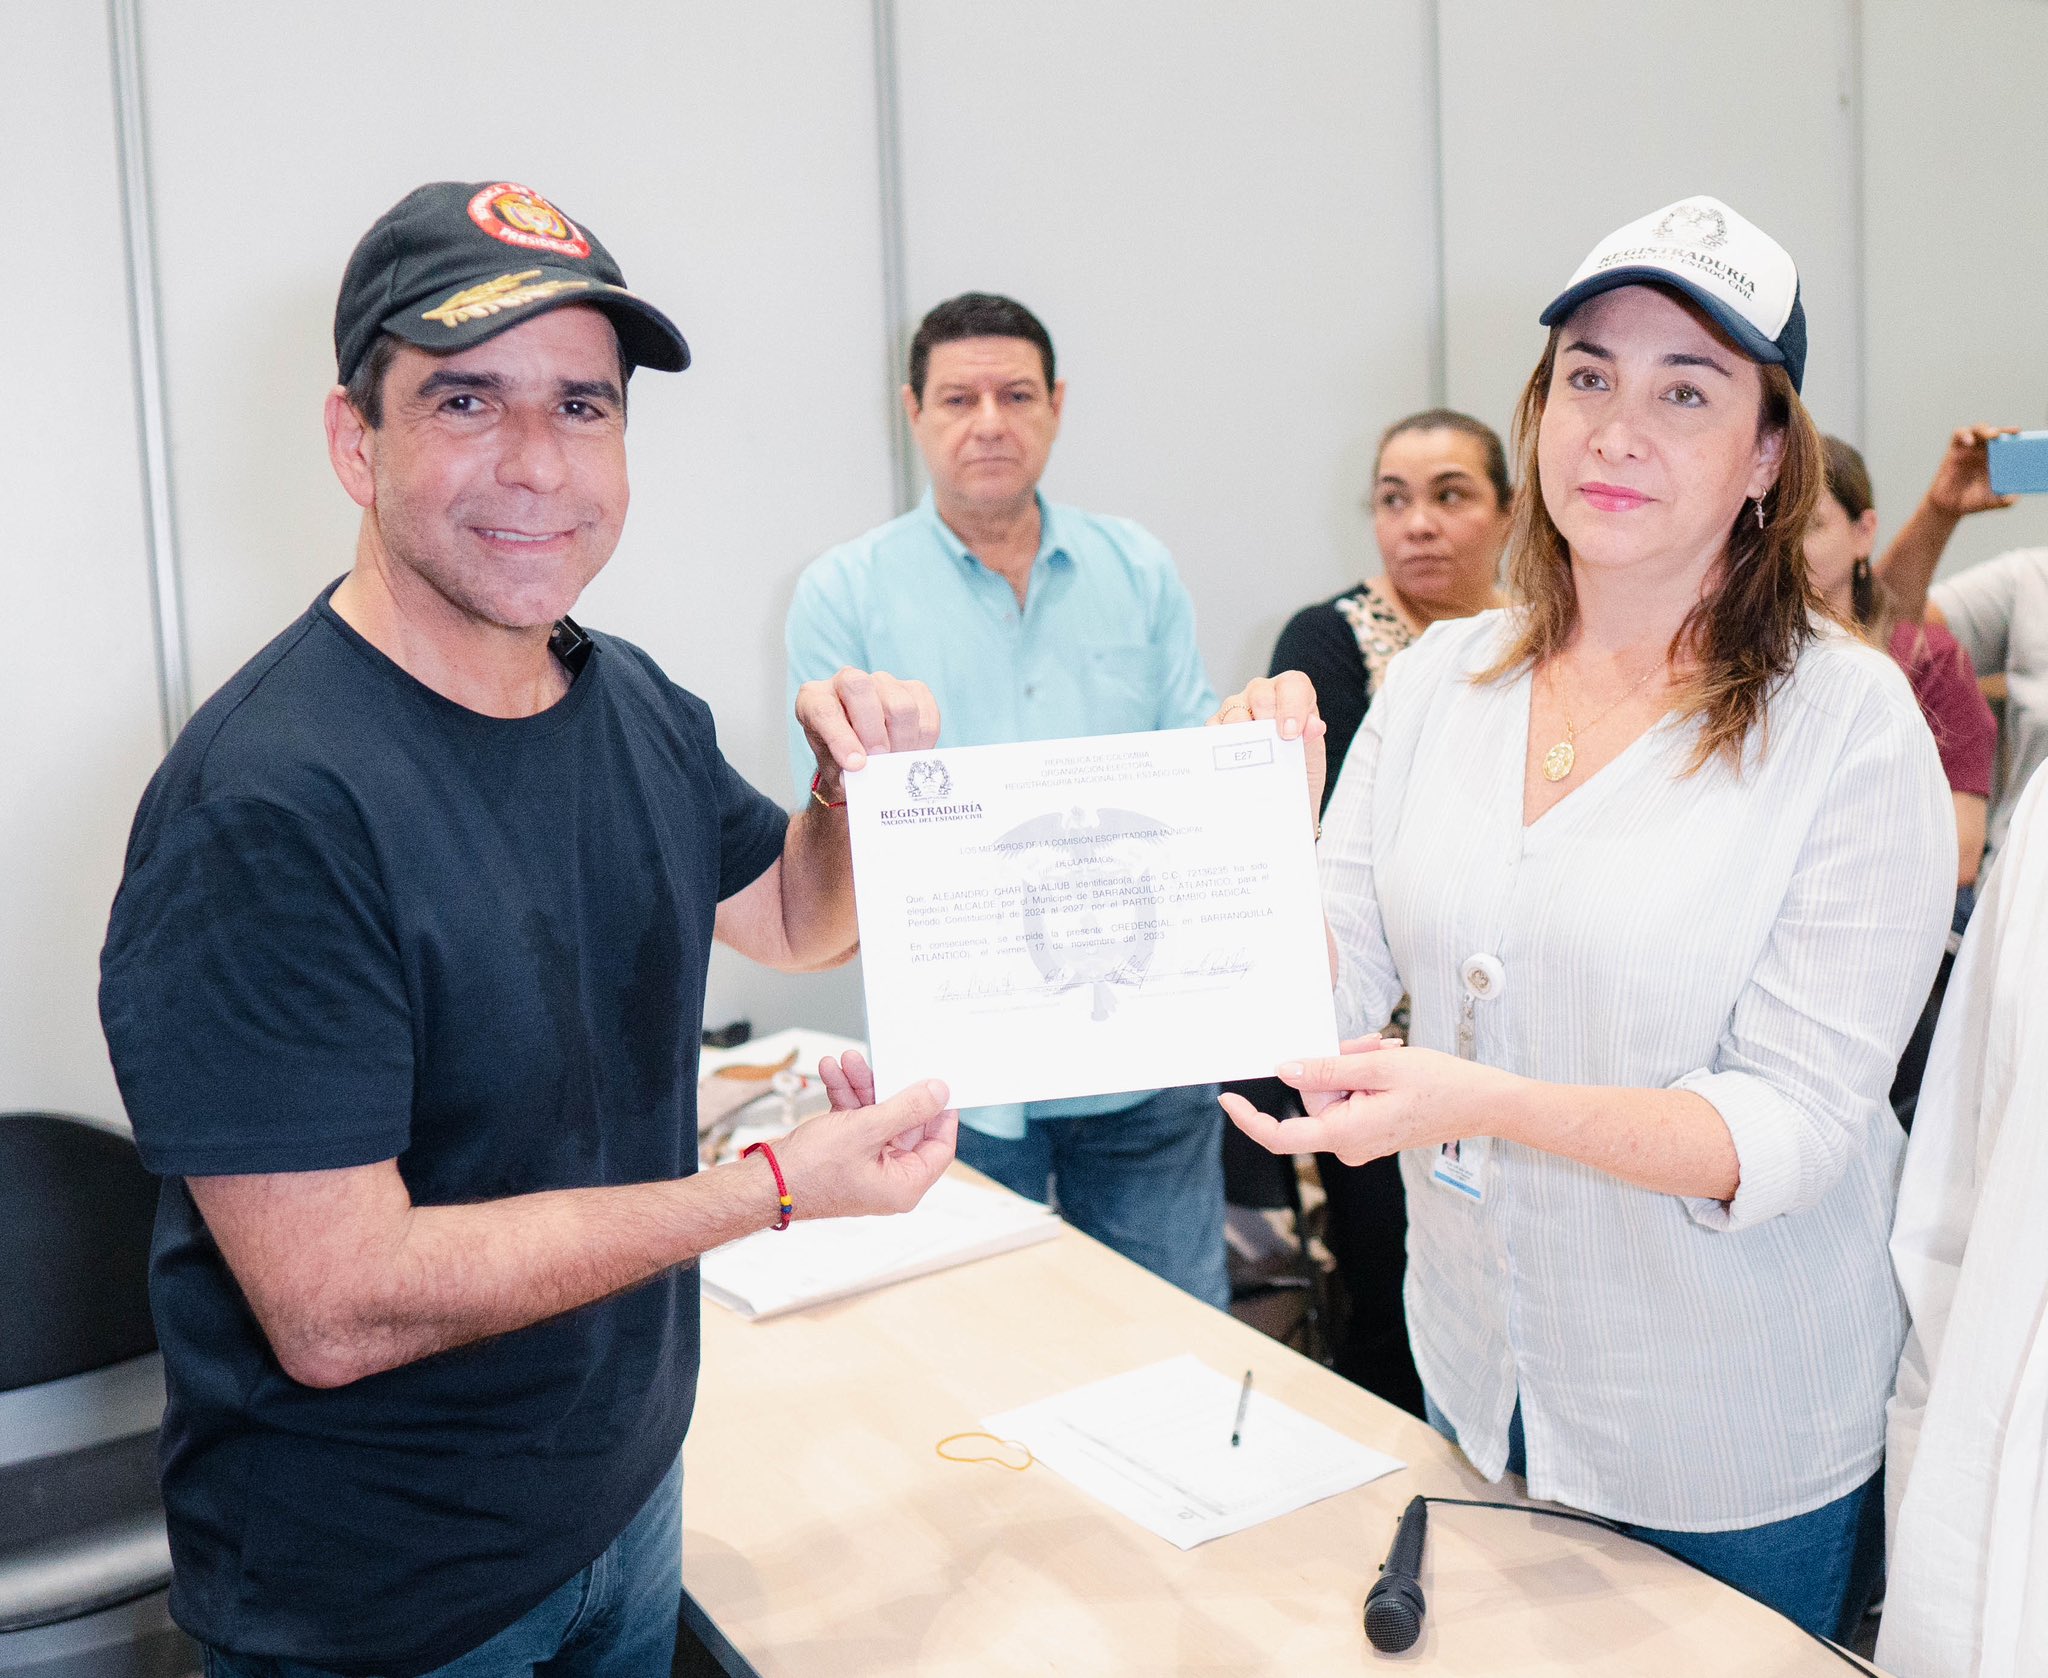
1848,1657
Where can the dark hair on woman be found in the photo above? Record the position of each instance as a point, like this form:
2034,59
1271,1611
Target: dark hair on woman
1849,484
1744,637
976,314
1449,419
1848,477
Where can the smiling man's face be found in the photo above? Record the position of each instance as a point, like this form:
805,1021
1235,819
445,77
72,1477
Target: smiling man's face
500,471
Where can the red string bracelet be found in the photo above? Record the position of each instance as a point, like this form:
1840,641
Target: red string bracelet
781,1188
820,797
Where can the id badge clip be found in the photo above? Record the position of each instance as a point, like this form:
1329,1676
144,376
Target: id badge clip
1461,1166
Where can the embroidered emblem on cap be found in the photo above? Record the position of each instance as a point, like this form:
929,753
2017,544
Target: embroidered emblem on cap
507,291
1693,224
1739,274
517,215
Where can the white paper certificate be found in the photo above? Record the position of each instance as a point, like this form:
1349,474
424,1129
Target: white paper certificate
1079,917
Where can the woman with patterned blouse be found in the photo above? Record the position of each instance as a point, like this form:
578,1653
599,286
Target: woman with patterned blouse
1440,498
1439,503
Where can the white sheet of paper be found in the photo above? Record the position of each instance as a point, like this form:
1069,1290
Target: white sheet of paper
772,1271
1155,1445
1079,917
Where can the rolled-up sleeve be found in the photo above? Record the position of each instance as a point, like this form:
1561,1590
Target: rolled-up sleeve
1977,604
1368,985
1804,1065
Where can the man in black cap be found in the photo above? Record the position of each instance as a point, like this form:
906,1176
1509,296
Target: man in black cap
404,986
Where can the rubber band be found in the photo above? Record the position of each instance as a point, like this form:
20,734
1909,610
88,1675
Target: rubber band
994,1462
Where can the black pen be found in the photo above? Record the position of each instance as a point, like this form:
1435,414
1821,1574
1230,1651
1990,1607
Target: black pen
1243,1398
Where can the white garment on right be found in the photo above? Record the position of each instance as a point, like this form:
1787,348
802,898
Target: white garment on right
1999,612
1967,1442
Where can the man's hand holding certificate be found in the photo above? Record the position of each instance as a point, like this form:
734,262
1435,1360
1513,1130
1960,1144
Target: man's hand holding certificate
1076,917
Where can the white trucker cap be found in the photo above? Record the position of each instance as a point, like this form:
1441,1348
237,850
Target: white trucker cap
1742,277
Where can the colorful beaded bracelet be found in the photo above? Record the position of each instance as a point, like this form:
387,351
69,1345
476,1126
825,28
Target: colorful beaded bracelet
781,1188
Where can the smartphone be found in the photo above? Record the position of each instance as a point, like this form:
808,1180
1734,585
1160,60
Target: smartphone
2019,464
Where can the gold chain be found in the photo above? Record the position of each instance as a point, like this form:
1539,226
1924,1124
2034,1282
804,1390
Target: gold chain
1558,762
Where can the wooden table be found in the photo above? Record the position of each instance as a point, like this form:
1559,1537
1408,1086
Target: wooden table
823,1534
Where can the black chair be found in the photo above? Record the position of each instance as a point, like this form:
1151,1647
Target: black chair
1258,1181
85,1567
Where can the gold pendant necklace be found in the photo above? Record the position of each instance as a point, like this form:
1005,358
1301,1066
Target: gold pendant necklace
1559,761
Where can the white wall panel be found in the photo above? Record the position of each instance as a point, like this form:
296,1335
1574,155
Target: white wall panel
1562,119
724,153
1957,243
1223,214
79,730
1226,214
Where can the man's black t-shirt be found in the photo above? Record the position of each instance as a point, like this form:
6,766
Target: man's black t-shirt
360,922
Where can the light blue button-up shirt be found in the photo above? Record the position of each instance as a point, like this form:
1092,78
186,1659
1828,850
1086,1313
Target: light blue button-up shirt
1103,644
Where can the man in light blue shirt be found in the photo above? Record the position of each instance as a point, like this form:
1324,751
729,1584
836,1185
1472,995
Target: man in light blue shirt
1031,621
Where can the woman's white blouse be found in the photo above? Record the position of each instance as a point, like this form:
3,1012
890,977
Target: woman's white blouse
1765,940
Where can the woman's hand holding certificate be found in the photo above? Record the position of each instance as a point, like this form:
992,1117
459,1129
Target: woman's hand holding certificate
1288,701
1376,1098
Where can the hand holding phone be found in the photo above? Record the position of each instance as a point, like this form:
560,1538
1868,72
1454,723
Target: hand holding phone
2019,463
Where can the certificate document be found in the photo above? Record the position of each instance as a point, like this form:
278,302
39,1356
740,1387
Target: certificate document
1080,917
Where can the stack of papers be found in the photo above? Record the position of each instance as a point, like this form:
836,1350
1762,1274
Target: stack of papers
772,1271
1155,1445
810,1046
762,1103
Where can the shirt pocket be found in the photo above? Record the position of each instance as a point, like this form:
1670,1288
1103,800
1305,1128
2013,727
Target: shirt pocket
1119,683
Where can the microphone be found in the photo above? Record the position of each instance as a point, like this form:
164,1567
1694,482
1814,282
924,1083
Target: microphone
1393,1607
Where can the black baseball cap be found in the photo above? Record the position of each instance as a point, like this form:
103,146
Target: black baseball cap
455,262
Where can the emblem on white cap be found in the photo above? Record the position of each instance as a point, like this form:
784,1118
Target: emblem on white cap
1693,221
1734,270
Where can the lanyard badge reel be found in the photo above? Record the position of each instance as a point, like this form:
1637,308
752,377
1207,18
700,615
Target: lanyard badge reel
1461,1166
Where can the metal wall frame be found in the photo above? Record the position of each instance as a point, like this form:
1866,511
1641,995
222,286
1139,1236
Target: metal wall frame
1440,325
1859,121
895,285
152,420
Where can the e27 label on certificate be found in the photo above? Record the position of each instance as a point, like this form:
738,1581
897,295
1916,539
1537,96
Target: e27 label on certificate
1081,917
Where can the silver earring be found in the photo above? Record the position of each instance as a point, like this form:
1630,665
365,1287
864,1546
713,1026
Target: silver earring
1759,505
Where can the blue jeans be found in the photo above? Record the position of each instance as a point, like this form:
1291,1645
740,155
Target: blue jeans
615,1619
1819,1569
1147,1181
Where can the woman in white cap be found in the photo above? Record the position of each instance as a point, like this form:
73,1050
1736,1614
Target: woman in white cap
1664,860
